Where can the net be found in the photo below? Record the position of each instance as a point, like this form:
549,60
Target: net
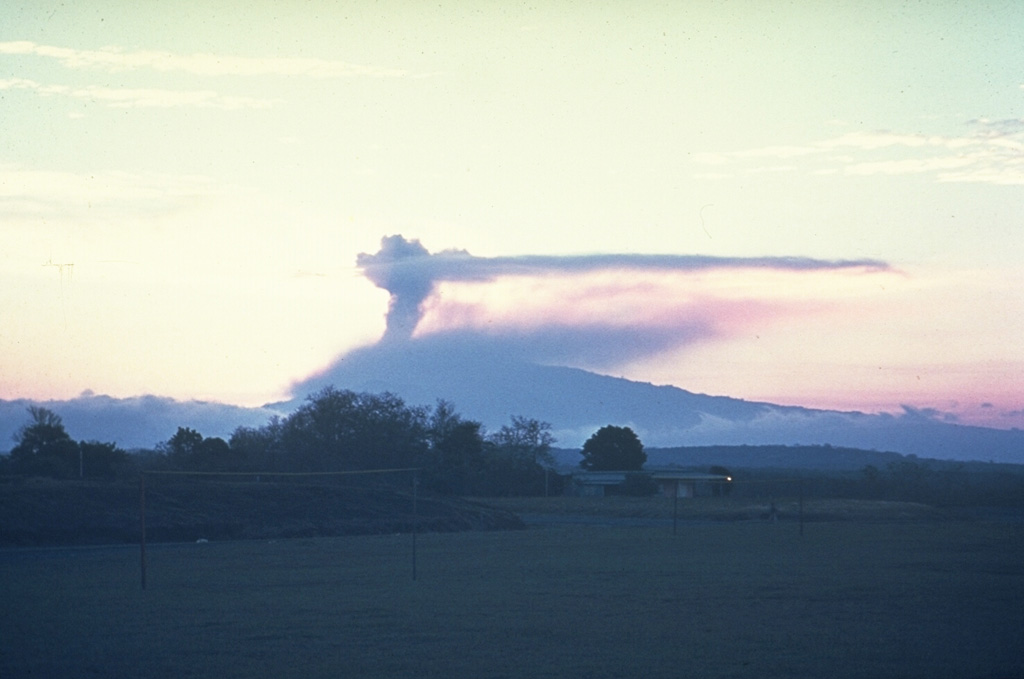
203,505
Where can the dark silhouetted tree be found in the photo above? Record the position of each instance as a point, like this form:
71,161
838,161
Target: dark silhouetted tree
189,450
455,460
344,430
184,442
259,449
215,455
43,447
613,448
102,460
182,447
526,439
518,458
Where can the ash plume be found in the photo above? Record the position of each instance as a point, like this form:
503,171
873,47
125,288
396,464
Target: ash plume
400,268
407,270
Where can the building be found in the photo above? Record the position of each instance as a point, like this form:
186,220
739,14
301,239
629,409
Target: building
673,482
670,482
594,484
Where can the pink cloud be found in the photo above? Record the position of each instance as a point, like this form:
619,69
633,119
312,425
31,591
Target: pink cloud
603,318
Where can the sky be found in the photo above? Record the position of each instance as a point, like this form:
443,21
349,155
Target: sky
805,203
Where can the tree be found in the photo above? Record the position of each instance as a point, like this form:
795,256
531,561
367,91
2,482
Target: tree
455,459
343,430
519,458
188,449
526,439
183,446
215,455
44,447
184,442
613,448
259,448
102,459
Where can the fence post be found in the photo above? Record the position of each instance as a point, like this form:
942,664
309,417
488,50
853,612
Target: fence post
675,507
801,507
142,527
415,519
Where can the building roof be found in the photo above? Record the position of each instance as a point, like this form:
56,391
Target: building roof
600,478
679,475
615,478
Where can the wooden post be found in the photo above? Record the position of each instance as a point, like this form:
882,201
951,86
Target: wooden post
142,527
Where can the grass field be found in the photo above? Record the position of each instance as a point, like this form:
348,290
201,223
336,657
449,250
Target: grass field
732,599
718,508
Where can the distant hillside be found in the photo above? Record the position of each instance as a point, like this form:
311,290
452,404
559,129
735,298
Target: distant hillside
817,458
491,388
824,458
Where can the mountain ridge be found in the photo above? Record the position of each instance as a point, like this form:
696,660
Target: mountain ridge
492,387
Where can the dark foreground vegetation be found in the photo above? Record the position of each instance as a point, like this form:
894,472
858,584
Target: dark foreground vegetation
734,599
47,512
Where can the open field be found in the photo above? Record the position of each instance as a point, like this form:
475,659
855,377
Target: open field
737,599
717,508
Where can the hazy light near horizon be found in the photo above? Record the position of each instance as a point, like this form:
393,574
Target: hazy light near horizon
729,301
212,178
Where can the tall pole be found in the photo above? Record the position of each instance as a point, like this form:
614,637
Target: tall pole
801,507
142,527
415,520
675,507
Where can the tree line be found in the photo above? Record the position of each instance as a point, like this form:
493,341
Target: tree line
333,430
340,430
44,448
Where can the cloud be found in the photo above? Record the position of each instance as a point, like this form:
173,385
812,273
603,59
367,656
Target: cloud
135,422
910,166
912,414
204,64
593,310
30,191
590,344
990,151
113,60
398,253
123,97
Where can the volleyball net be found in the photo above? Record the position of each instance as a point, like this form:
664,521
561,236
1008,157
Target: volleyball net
402,476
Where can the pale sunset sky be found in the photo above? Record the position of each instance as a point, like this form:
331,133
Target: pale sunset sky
185,188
